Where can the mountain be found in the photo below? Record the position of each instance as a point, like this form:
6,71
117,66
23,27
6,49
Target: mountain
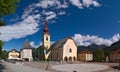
114,46
107,49
92,47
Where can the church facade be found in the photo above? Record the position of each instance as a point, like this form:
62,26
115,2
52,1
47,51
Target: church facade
62,50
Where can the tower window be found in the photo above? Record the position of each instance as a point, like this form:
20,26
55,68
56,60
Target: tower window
47,38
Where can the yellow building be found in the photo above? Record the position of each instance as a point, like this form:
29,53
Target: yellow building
85,56
14,54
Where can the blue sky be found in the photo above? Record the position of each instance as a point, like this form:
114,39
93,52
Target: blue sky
86,21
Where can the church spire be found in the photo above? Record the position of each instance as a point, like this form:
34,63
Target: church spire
46,28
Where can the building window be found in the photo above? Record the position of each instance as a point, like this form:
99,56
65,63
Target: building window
46,38
70,50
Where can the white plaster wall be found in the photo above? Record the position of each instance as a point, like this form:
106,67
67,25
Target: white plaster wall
69,44
26,53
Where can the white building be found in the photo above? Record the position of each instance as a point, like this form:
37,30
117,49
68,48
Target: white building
63,50
26,52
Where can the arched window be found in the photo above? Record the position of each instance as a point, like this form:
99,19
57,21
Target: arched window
46,38
70,50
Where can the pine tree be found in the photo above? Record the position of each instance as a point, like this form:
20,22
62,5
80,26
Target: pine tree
99,55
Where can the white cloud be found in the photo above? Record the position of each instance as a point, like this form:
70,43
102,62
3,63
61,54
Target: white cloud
96,4
76,3
51,16
21,29
32,43
88,40
51,3
115,38
35,13
61,13
87,3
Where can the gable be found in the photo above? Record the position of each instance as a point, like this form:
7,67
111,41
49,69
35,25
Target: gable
70,43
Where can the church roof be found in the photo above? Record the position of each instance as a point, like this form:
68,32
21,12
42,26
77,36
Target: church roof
60,43
26,45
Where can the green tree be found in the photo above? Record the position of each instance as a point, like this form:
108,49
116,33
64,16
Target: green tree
38,53
99,55
1,44
4,55
7,7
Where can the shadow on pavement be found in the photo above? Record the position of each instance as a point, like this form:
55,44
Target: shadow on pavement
116,67
2,67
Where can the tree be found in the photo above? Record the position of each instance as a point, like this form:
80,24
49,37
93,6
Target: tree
7,7
1,44
4,55
38,53
99,55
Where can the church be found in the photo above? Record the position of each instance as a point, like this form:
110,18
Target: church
62,50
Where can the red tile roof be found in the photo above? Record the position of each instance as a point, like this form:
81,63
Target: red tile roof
116,52
85,52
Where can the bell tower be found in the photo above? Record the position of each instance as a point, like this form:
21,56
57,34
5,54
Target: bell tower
46,36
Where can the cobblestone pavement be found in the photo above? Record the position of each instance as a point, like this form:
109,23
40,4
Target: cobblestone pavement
5,68
19,67
43,65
